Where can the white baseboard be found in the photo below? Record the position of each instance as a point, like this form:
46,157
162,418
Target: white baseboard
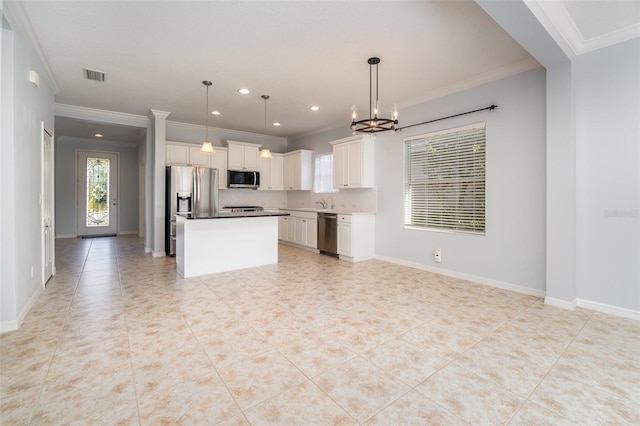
559,303
468,277
15,324
609,309
147,249
127,232
67,236
158,254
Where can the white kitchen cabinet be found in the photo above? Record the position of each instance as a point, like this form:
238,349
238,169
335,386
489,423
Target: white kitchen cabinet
356,237
198,158
300,228
271,172
283,228
243,156
298,170
353,162
184,154
219,161
177,155
311,237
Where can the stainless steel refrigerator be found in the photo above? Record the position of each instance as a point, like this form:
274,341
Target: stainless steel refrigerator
192,190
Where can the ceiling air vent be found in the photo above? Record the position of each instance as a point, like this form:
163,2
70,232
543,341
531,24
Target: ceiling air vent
94,75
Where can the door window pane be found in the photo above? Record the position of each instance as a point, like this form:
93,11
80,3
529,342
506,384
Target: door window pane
97,192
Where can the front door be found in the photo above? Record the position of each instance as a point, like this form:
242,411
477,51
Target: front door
97,193
47,205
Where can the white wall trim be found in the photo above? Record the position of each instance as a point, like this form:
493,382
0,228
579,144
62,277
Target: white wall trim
147,249
127,232
67,236
100,115
240,134
15,324
157,253
609,309
473,278
18,16
610,39
559,303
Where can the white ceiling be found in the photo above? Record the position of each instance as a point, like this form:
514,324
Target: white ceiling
301,53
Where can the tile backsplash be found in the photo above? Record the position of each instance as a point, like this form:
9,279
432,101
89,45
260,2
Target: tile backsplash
362,199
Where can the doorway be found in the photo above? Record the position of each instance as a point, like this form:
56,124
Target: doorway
97,186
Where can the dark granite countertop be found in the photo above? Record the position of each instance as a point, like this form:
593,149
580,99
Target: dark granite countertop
234,215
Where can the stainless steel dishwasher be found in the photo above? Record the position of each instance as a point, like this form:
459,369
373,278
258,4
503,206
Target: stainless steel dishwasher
328,233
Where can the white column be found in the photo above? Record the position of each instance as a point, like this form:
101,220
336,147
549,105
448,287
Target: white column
158,140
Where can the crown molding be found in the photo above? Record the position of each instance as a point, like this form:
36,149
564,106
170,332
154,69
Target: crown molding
610,39
556,21
234,133
555,18
440,92
100,115
17,16
480,79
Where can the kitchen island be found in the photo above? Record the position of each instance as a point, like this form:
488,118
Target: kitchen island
225,242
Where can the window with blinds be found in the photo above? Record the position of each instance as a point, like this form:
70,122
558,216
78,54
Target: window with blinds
444,181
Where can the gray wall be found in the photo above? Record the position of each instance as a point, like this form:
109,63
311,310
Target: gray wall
66,209
513,249
24,108
608,175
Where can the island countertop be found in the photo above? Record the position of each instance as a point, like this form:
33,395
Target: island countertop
232,215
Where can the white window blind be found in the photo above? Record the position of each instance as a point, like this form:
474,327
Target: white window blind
444,182
323,179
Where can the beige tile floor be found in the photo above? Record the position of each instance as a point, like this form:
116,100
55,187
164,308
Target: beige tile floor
118,338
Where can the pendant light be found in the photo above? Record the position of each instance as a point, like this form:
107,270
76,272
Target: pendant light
373,124
206,145
264,152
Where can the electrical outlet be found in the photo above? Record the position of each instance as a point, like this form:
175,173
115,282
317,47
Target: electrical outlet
32,272
437,255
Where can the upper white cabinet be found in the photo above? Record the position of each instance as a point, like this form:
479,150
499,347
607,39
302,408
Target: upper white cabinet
184,154
243,156
271,172
199,158
177,155
298,170
219,161
353,162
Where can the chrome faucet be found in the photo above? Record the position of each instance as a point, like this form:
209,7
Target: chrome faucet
323,203
330,198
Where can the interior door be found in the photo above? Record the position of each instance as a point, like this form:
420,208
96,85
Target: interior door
47,205
97,187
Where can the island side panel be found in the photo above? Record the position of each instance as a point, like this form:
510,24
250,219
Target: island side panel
180,222
218,245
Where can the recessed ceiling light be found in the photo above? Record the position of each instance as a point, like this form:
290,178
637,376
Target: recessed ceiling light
98,135
215,112
244,91
314,108
276,124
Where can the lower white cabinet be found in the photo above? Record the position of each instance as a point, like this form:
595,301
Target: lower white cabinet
300,228
356,237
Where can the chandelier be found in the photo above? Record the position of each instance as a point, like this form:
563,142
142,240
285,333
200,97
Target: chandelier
373,124
206,145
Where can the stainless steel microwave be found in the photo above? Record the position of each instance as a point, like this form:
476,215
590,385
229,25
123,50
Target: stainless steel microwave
243,179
